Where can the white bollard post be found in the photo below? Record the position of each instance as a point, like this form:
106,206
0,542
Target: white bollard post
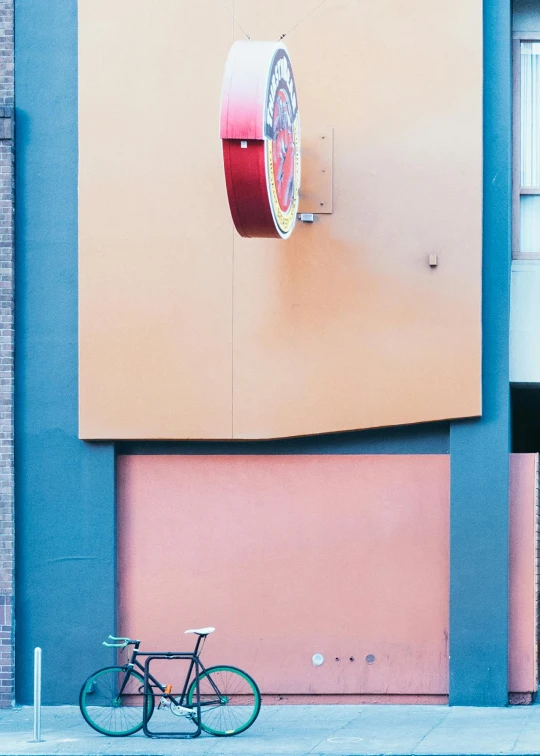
37,695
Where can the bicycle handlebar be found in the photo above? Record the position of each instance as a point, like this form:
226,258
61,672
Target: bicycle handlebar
123,642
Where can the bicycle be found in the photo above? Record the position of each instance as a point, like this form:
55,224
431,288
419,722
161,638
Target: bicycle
112,700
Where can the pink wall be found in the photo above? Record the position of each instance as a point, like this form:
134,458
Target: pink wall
522,647
289,556
294,555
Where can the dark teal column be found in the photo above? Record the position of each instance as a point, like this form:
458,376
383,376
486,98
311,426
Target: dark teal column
480,448
64,489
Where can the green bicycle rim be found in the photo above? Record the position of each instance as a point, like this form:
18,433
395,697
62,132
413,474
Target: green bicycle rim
232,725
112,716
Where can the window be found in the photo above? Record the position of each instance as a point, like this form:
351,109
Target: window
526,234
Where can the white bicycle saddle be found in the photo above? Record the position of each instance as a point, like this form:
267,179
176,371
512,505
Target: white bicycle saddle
201,631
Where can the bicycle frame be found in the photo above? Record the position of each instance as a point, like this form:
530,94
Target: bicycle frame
133,663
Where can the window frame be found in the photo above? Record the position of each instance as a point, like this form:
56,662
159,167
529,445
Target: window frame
519,191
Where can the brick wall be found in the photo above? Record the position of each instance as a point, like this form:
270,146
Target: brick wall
7,660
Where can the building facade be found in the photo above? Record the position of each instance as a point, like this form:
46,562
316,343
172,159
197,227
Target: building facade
7,533
322,446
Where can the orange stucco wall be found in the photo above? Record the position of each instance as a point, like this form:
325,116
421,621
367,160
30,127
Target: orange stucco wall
188,331
294,555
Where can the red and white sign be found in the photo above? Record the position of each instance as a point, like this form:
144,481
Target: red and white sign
260,129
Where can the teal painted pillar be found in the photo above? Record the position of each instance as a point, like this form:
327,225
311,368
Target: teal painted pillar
479,520
64,488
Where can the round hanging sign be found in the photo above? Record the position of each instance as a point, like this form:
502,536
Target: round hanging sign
260,129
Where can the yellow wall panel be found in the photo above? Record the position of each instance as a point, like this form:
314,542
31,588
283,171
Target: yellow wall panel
155,238
346,325
189,331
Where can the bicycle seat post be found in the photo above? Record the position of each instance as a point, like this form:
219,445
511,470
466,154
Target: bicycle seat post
197,644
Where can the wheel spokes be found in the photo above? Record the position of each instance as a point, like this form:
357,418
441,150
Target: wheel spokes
110,711
237,705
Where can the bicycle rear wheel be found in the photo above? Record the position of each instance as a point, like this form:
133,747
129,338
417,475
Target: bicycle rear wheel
112,707
230,700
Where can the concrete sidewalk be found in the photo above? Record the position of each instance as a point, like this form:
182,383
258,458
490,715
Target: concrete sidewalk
296,731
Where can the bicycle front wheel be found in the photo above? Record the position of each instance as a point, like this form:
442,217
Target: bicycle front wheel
112,701
230,700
